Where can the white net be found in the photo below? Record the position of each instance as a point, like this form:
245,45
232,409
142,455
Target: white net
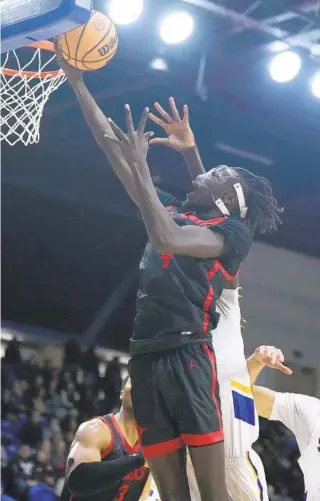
24,94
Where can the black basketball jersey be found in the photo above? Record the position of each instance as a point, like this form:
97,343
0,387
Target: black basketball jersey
131,486
176,301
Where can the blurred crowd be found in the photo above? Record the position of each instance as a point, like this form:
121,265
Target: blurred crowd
42,407
279,452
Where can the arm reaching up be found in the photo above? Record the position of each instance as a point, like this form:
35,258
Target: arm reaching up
100,126
179,136
265,356
165,235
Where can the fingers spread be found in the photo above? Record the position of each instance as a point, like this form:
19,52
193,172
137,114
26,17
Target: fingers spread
120,135
157,120
159,140
148,135
163,113
185,114
143,121
129,121
174,110
111,139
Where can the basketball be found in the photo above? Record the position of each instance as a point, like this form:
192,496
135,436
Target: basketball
91,46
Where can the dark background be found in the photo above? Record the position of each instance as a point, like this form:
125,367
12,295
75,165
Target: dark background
70,235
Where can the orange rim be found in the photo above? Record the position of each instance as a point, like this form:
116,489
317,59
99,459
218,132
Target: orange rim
43,45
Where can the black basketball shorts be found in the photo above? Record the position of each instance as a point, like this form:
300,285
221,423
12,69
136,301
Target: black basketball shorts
175,397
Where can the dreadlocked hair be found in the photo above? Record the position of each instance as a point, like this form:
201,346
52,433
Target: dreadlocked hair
263,208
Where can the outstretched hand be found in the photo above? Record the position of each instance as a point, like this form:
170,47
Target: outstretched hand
272,357
135,144
180,136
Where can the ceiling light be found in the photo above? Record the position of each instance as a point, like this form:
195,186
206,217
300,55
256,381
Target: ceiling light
285,66
125,11
176,27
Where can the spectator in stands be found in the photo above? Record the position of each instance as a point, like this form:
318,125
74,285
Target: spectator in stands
66,405
31,432
34,367
72,394
55,427
53,402
22,469
43,471
39,402
46,447
16,397
59,452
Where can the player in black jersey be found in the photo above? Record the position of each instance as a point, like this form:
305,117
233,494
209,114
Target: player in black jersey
105,461
194,249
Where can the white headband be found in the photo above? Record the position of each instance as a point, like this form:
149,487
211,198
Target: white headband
241,200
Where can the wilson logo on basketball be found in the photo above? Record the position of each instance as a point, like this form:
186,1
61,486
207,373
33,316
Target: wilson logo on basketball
90,46
103,51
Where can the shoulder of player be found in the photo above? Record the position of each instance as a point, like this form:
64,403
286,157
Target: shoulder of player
232,222
94,432
235,230
305,403
224,225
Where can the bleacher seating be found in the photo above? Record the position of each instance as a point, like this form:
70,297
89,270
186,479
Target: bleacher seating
47,404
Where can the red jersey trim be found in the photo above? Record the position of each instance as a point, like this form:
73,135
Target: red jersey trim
130,449
150,451
203,222
205,308
108,450
191,439
213,364
217,266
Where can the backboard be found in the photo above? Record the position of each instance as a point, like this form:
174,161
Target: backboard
27,21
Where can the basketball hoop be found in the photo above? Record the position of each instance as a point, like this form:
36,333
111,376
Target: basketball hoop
25,89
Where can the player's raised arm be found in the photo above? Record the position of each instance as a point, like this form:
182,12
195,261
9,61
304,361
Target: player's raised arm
179,136
86,474
163,232
99,125
265,356
264,400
